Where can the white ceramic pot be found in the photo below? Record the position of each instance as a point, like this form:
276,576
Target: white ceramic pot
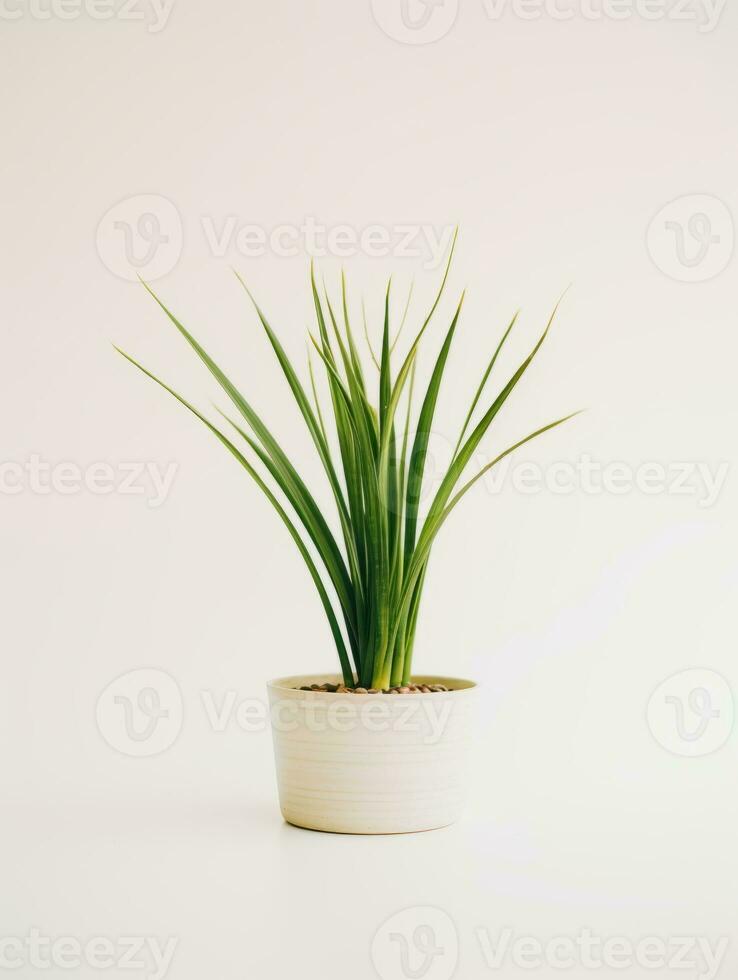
371,763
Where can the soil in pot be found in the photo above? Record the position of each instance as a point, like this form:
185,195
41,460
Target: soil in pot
400,689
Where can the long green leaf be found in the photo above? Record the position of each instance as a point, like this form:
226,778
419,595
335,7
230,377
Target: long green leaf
482,383
379,569
314,428
431,528
315,575
422,435
309,513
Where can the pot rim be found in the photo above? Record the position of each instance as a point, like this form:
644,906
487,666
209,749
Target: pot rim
289,685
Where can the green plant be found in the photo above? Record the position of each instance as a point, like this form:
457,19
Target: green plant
377,576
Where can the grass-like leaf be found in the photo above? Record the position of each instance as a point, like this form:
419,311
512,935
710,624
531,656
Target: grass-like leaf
370,580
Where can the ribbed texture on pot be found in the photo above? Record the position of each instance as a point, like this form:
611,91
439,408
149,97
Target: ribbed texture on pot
372,763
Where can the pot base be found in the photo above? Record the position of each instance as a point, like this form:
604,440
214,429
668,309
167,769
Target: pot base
367,833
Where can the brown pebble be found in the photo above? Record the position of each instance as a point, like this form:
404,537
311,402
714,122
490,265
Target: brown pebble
425,689
330,688
372,690
360,690
403,690
393,690
341,689
305,687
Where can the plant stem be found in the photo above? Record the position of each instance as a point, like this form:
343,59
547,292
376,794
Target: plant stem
381,680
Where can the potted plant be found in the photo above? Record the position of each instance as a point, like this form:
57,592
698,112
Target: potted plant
376,748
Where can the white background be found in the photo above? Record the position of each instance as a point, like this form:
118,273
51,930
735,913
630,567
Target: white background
553,145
